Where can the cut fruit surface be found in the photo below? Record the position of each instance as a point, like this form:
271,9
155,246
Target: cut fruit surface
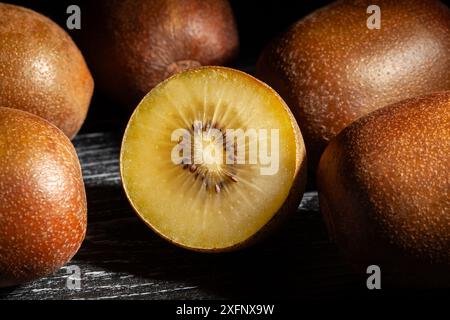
210,157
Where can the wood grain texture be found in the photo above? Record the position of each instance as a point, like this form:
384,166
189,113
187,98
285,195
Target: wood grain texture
122,258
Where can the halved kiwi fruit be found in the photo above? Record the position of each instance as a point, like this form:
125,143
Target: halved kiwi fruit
218,198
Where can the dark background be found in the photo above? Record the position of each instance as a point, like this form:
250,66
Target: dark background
258,21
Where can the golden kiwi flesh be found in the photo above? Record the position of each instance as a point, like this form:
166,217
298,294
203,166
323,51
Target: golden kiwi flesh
211,158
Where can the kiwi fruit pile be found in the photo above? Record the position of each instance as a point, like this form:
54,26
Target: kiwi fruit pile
45,92
372,105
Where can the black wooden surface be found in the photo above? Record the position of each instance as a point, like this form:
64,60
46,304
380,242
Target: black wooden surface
122,258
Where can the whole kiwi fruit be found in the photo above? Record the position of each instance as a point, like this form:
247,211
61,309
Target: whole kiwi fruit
332,69
384,188
41,69
132,45
42,198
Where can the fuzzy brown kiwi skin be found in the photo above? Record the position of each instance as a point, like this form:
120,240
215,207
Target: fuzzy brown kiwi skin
289,206
43,209
41,70
331,69
133,45
383,190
